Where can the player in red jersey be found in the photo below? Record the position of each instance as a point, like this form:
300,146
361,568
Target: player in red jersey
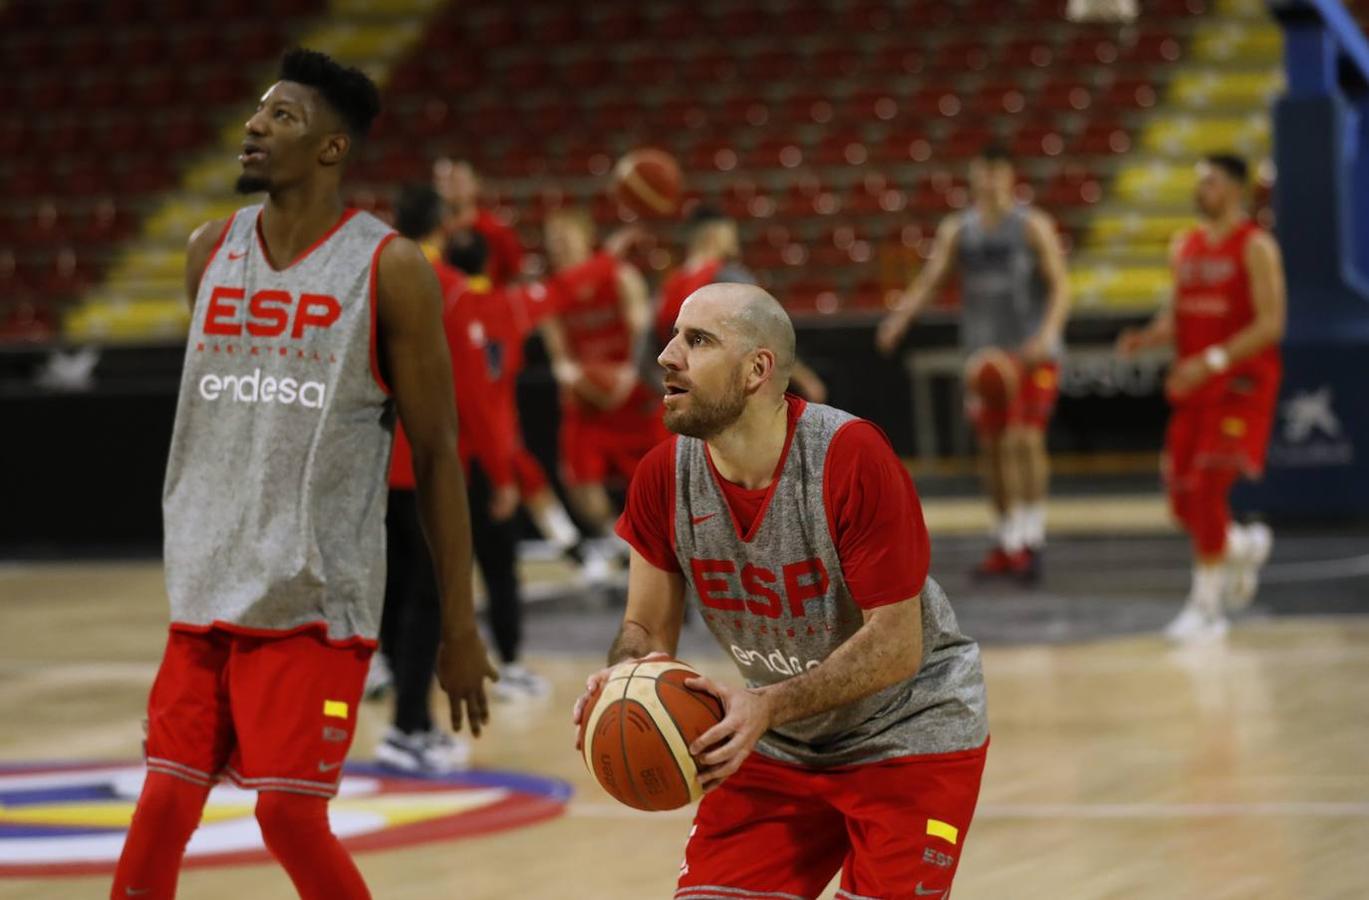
714,256
858,741
409,625
609,418
459,186
1225,323
311,325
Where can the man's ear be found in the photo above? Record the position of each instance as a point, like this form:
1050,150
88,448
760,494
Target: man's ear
762,368
335,149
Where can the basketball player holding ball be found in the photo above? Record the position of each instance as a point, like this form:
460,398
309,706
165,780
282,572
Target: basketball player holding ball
609,418
798,535
1014,302
310,325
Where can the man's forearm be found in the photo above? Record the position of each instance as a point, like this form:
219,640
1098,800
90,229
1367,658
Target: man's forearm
633,642
1251,340
446,519
872,659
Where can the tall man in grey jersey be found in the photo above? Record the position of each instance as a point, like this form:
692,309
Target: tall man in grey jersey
797,534
310,325
1014,302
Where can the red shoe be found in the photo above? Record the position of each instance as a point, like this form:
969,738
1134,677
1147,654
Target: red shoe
996,564
1025,566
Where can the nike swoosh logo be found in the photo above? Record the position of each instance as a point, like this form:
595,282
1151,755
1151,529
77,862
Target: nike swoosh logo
233,256
699,520
136,892
324,767
923,892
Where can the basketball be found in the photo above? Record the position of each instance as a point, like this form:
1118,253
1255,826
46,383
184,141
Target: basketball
992,376
648,182
637,729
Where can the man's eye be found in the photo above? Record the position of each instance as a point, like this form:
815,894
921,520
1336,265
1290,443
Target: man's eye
698,340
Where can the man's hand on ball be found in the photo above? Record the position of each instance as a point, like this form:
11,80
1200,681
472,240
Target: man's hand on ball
596,681
722,749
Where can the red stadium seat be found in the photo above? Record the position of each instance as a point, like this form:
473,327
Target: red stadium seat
1025,52
1090,49
1130,93
1064,97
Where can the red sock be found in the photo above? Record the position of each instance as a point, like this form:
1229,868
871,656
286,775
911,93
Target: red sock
295,828
1210,511
168,812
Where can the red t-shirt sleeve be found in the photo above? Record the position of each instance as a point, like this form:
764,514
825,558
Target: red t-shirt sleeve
875,517
648,518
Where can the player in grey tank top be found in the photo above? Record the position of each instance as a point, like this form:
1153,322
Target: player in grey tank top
1015,299
310,325
856,688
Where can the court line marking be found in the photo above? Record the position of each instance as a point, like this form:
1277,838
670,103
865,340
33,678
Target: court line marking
1068,811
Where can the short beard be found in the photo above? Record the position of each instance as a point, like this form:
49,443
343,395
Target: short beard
710,418
251,184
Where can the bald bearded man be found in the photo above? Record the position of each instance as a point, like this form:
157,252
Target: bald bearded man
799,537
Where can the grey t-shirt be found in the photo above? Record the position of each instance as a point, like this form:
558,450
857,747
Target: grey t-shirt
1003,292
778,604
274,502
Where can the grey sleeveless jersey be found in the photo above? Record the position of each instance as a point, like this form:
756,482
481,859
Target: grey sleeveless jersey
274,502
779,606
1003,293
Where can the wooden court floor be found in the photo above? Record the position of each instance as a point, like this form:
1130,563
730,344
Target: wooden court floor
1119,768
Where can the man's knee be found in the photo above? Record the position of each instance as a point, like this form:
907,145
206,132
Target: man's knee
285,818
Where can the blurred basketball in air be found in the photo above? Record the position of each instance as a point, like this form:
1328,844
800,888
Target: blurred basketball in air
648,182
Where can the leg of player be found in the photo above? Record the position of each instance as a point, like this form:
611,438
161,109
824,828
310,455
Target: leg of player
1248,549
1034,474
594,507
296,831
554,523
1207,517
409,636
1010,456
496,552
189,739
168,812
991,450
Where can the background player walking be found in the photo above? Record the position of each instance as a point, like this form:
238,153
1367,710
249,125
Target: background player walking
799,536
1015,298
1225,324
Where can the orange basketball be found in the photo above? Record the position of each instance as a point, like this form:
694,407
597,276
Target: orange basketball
992,376
597,378
637,729
648,182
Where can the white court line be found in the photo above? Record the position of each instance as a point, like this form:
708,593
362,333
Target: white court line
1319,570
1070,811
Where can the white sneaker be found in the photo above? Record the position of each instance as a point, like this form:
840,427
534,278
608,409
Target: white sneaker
432,752
1243,579
517,683
379,679
1194,624
597,568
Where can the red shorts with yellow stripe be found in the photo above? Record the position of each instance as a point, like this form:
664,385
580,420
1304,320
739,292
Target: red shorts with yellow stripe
1229,432
893,829
268,713
1032,406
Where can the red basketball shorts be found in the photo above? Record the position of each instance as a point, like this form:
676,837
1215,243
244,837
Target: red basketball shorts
269,713
893,829
598,446
1230,433
1038,387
